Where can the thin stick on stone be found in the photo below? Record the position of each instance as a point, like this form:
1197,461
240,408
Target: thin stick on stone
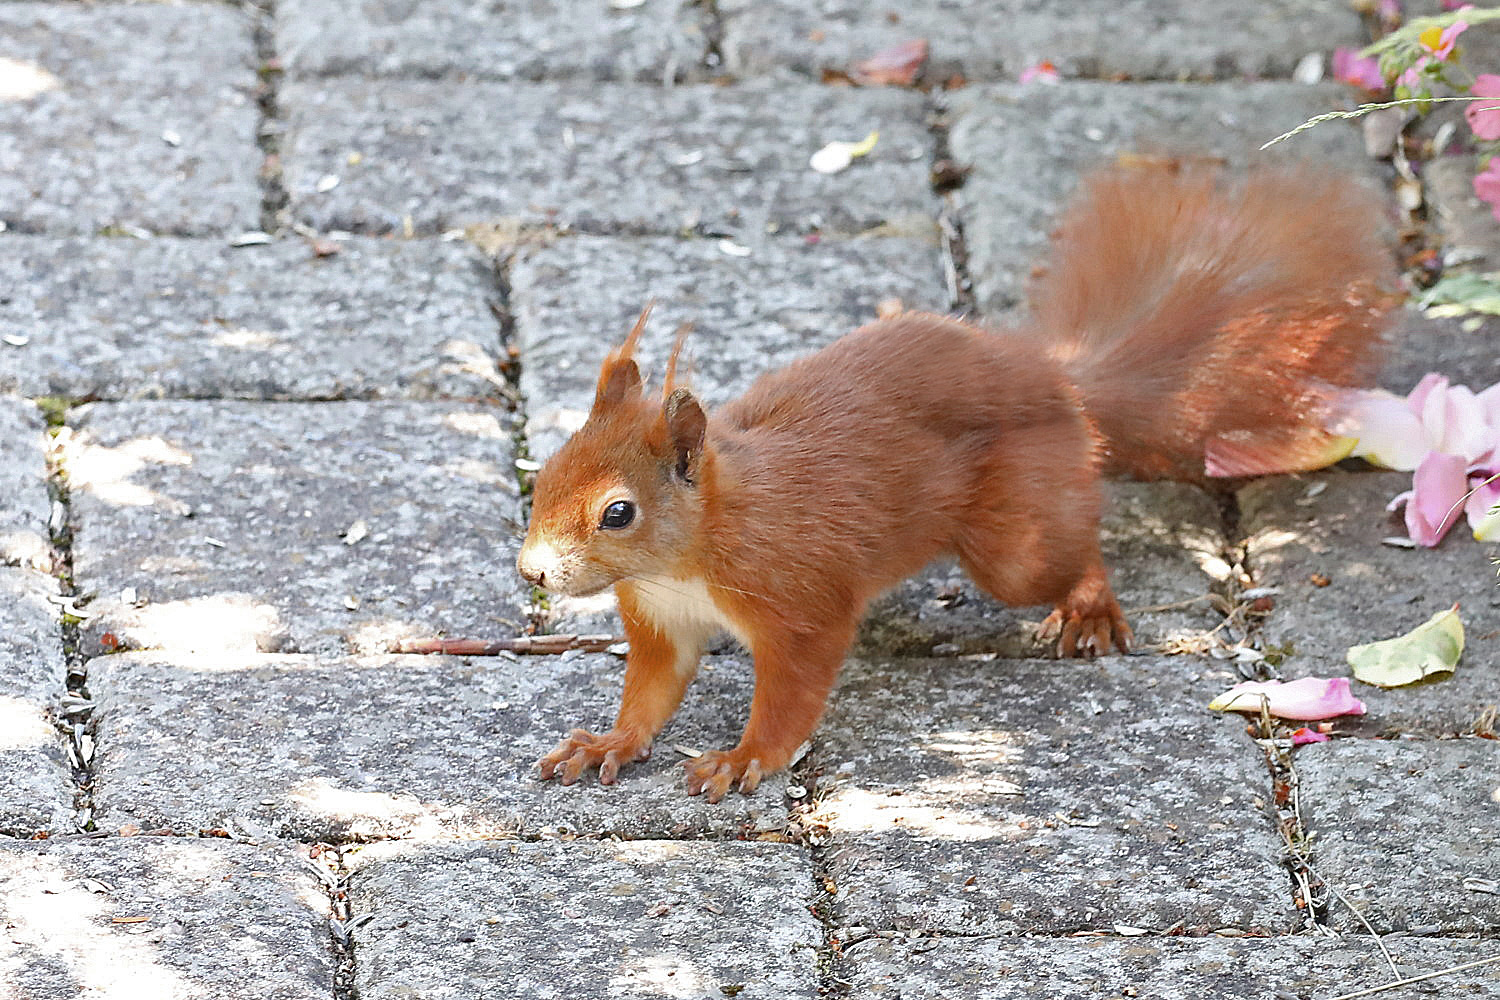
532,644
1417,979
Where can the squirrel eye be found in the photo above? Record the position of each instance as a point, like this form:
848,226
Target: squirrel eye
618,515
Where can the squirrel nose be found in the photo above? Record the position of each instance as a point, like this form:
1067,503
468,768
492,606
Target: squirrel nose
530,572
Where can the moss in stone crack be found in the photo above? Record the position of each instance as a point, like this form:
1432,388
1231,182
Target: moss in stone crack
54,409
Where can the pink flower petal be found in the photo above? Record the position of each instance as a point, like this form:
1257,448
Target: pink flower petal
1361,71
1431,383
1305,735
1487,186
1484,116
1042,72
1304,700
1438,487
1484,517
1387,429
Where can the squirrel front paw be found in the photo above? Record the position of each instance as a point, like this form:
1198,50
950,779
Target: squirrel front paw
581,750
715,771
1086,633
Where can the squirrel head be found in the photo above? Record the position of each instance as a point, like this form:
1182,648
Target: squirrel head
623,497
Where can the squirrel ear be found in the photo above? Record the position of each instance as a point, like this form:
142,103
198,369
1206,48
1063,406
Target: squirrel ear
619,380
620,377
686,426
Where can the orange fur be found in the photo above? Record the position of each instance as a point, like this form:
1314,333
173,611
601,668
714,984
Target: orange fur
1176,311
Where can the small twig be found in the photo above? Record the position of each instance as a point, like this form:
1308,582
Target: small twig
1417,979
533,644
1358,915
1170,607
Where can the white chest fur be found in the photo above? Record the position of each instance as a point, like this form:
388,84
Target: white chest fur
683,607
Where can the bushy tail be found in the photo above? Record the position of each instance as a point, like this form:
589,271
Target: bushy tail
1204,319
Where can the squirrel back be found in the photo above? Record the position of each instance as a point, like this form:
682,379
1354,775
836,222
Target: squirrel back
1204,319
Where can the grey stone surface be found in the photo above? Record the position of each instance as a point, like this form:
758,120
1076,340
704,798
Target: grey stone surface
37,790
327,749
1293,968
169,918
1030,144
24,506
1398,828
995,41
1470,234
433,155
968,797
575,300
107,130
510,39
548,920
216,526
112,318
1162,544
1467,350
36,793
1329,525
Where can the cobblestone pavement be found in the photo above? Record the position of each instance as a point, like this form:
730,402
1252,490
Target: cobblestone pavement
293,295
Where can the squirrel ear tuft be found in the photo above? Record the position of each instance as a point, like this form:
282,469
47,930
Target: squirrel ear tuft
686,426
670,382
620,376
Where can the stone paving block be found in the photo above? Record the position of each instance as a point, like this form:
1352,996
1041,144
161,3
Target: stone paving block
218,526
1303,530
549,920
1401,828
112,318
174,919
433,155
37,790
1030,145
662,40
24,505
1466,350
1144,39
106,131
1162,544
1045,796
333,749
575,300
1291,968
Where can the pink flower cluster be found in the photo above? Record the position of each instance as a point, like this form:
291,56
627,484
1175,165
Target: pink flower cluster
1448,436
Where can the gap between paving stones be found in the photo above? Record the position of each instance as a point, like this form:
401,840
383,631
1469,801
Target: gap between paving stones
75,720
273,193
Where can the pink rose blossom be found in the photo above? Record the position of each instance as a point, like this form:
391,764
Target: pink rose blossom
1305,700
1305,735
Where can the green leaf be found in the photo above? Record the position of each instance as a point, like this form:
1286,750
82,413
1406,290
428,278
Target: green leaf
1461,294
1431,650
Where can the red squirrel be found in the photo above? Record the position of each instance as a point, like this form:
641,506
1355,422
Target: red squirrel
1180,314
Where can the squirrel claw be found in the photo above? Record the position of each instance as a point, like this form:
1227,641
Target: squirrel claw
715,771
582,750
